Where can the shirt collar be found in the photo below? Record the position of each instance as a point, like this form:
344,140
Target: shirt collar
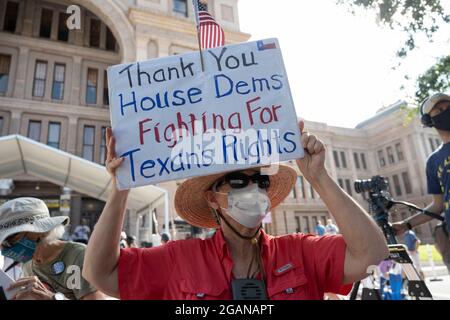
223,250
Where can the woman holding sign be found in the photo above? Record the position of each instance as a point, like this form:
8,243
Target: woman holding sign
240,261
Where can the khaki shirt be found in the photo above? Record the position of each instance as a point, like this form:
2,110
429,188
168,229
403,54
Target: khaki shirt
63,274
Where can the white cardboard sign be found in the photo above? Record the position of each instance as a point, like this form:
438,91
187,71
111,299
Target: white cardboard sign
173,121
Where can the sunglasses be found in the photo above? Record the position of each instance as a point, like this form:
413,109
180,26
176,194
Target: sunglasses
238,180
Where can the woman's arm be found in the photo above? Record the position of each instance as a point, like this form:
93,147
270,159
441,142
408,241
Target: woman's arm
102,253
366,244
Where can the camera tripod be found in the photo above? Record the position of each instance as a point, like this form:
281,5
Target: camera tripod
380,204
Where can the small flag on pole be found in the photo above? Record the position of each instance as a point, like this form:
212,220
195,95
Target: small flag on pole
210,33
265,46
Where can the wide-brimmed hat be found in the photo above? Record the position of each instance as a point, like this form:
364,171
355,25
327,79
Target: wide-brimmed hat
433,100
191,205
27,215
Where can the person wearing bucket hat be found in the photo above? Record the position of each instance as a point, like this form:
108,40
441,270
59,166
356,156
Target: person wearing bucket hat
435,113
29,235
240,261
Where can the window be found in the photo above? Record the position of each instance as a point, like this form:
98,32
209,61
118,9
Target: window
54,130
105,89
406,182
314,220
34,130
306,225
343,160
88,143
381,158
103,146
431,140
390,155
311,192
5,62
1,126
398,149
297,221
94,34
40,75
63,31
227,12
91,89
389,184
363,160
356,159
58,81
341,183
398,189
45,30
110,40
438,142
11,13
180,6
336,159
404,215
292,193
301,186
348,186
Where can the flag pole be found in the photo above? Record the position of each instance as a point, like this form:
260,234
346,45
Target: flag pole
197,20
200,50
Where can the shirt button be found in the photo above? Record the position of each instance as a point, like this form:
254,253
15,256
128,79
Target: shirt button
200,295
289,290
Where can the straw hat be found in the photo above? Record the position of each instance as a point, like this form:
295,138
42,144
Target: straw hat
27,215
192,206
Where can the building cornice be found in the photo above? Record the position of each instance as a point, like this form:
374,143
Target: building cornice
178,25
57,48
54,109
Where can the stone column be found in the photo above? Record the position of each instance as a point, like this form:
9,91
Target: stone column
163,47
141,47
21,73
75,211
71,145
75,95
27,27
14,127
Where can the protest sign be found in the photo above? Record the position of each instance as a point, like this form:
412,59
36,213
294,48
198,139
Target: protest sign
173,121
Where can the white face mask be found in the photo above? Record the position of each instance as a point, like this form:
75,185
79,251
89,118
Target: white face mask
248,206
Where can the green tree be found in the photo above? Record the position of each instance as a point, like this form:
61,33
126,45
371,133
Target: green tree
435,79
413,17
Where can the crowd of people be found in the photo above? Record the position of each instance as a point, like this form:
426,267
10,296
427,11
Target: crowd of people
295,266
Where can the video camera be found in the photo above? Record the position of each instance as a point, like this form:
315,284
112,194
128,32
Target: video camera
376,184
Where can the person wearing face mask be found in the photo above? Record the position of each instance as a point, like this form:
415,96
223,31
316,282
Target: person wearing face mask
29,236
240,261
435,113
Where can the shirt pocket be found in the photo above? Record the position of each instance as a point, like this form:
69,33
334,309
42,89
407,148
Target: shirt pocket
201,291
290,285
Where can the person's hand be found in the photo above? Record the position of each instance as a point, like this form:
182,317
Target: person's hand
399,227
112,162
30,288
312,165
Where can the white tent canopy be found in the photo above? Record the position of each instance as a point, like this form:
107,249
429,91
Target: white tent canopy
20,155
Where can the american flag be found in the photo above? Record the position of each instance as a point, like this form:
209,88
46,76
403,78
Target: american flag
210,33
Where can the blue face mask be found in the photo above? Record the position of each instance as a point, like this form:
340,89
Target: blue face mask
22,251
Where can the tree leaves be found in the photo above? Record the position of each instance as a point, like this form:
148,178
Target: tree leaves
414,17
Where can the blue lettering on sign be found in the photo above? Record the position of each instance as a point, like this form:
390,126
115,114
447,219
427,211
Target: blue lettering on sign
233,150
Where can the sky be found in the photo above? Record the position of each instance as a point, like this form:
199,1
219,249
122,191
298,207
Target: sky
339,65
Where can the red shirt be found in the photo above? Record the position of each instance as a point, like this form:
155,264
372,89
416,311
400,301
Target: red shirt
297,266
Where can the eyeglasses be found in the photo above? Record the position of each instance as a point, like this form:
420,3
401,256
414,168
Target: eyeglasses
238,180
